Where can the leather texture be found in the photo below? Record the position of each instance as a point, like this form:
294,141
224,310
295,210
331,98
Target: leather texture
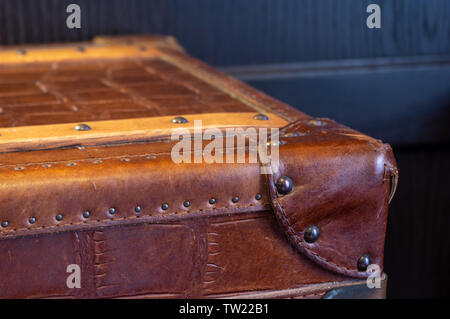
253,246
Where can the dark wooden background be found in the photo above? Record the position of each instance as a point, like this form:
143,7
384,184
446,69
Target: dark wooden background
318,55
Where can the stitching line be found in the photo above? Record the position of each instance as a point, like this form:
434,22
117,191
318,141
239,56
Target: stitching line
298,241
129,217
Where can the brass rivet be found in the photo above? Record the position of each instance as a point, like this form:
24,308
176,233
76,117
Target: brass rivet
316,122
273,144
82,127
179,120
260,117
291,134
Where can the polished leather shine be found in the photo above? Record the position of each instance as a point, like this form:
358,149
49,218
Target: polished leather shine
119,209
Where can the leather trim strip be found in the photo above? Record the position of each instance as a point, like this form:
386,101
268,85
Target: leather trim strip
27,138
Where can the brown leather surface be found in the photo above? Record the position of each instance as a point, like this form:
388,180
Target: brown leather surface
201,257
342,184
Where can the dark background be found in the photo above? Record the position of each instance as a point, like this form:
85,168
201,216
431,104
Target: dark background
392,83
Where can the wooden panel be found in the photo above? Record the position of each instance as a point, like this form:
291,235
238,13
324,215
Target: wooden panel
232,32
401,101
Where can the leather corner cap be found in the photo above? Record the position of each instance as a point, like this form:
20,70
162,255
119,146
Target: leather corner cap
341,184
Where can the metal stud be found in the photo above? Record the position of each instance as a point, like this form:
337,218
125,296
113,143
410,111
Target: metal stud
179,120
112,210
82,127
87,214
316,122
291,134
212,201
59,217
275,143
187,203
32,220
137,209
284,185
363,262
235,199
5,223
260,117
258,196
165,206
311,234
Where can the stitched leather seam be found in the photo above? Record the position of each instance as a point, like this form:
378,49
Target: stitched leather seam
92,160
310,295
279,211
130,217
299,241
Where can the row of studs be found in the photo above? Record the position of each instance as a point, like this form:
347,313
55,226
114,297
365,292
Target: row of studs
86,214
21,168
81,49
311,234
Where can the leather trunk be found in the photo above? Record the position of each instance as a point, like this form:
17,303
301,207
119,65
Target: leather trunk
87,178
